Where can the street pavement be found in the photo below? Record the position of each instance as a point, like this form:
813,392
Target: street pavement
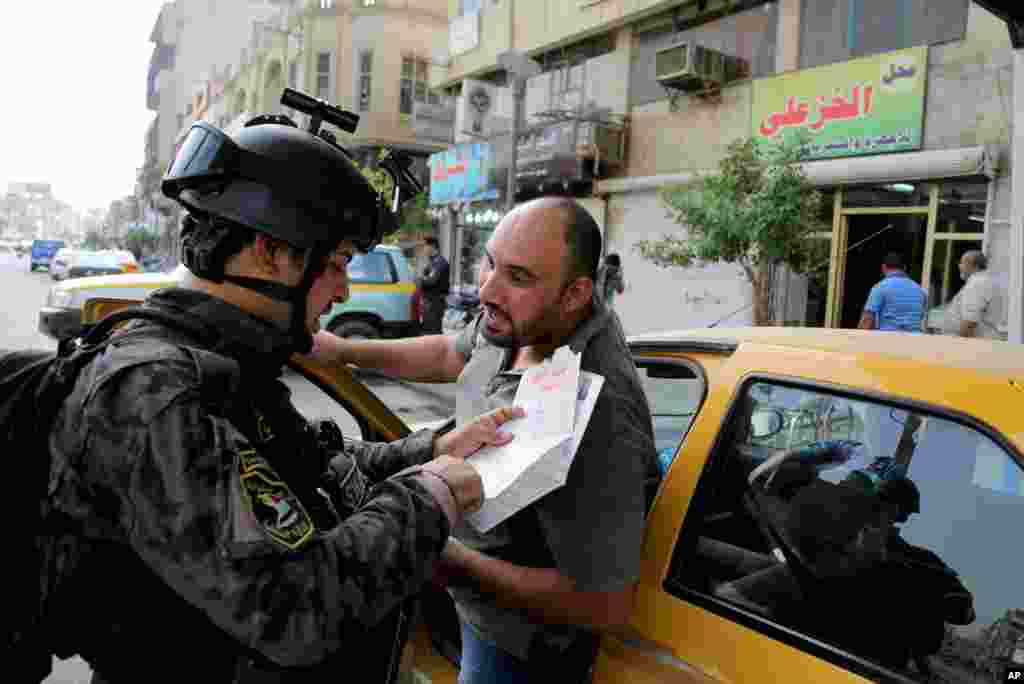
23,293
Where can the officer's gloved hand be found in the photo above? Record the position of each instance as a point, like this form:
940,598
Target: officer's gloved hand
462,479
455,485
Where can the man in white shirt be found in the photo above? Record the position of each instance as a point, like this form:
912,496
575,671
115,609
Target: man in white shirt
977,310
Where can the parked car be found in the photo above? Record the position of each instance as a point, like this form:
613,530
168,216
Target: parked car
61,315
768,553
42,253
61,262
382,300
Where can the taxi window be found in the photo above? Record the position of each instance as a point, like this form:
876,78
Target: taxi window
371,268
316,405
881,531
675,390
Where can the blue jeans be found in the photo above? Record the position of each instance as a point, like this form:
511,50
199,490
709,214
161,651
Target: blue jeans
485,663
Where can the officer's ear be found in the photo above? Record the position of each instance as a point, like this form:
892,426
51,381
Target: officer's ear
276,259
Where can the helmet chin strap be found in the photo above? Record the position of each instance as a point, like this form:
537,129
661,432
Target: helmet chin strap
297,296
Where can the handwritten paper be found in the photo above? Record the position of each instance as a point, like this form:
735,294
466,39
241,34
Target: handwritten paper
518,474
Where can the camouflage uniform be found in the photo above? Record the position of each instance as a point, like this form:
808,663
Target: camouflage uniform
214,532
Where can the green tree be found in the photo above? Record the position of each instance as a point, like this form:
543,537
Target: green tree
758,211
414,218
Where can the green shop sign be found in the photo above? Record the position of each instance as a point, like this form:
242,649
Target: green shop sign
864,106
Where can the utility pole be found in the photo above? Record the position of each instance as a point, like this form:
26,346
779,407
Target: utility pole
519,68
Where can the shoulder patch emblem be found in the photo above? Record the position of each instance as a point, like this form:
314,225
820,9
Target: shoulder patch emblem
273,504
263,430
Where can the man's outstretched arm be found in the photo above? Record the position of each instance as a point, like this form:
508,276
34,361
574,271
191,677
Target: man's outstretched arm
430,358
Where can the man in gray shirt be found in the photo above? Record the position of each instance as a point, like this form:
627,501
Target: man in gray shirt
532,592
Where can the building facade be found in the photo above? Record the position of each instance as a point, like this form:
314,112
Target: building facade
920,165
197,44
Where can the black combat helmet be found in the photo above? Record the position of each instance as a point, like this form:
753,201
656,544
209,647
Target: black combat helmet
298,186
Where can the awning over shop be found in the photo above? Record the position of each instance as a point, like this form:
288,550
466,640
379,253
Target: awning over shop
883,168
886,168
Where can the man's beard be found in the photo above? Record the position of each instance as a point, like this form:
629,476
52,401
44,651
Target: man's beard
538,331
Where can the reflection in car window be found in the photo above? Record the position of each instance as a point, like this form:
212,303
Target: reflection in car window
881,531
373,267
674,392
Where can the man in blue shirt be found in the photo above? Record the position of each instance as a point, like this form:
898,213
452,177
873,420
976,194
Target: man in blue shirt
895,303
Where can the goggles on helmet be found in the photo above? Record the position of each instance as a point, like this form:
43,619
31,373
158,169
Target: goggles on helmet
208,160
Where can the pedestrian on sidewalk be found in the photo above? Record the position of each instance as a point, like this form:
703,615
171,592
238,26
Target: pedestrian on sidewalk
609,279
977,309
434,284
896,303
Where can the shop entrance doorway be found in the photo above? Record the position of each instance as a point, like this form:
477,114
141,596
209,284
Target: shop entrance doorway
870,238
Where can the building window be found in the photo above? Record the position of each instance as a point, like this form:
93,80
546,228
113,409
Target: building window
369,3
406,86
838,30
365,79
413,87
323,75
421,80
293,75
326,4
469,6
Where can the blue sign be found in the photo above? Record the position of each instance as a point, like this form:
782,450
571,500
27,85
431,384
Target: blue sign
463,173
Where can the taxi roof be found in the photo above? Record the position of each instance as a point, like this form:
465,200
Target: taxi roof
1000,358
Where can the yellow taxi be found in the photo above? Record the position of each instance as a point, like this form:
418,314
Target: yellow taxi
837,506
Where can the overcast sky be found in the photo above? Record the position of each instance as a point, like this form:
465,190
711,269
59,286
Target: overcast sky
73,95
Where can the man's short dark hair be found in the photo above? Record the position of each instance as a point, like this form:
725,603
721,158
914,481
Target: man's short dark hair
582,238
894,260
432,241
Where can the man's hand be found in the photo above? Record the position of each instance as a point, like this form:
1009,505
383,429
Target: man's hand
481,432
449,571
867,321
328,349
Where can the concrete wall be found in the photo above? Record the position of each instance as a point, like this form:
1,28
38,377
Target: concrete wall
970,87
668,298
495,38
693,138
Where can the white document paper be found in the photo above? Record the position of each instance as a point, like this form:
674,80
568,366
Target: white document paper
521,474
546,393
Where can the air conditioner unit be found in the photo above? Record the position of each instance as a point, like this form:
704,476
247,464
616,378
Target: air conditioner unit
689,67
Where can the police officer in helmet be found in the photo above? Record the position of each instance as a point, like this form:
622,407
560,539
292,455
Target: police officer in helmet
248,543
